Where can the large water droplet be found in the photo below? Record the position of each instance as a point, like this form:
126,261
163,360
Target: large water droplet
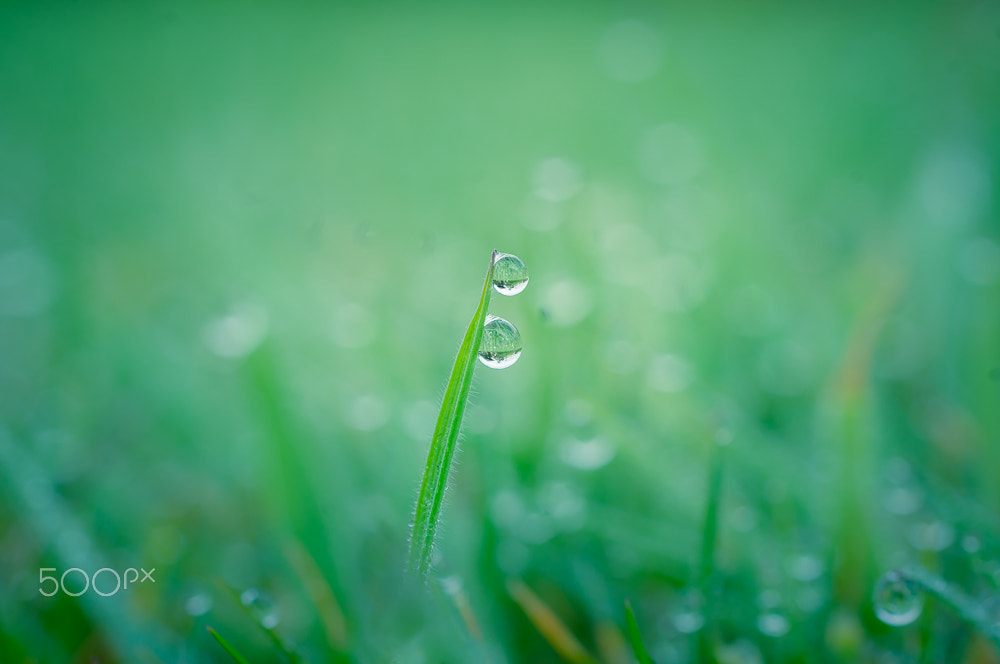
897,600
510,275
501,344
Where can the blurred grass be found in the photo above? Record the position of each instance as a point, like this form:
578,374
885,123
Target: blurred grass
204,360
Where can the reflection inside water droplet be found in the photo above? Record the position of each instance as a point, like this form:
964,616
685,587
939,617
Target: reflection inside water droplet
897,600
501,343
510,275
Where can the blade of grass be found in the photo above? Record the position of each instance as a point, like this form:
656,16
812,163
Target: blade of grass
445,440
965,607
237,657
284,648
635,637
706,568
322,595
548,624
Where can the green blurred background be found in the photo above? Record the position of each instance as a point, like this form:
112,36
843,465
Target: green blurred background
240,243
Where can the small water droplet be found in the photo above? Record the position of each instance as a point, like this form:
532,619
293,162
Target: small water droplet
501,344
897,600
688,616
932,535
902,501
198,604
805,567
510,275
586,454
250,596
262,607
772,624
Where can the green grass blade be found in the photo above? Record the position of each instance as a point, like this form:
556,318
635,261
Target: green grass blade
445,441
706,567
710,526
968,609
632,627
237,657
286,649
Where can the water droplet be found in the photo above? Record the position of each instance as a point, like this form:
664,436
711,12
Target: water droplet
773,624
510,275
805,567
897,600
586,454
507,509
451,585
262,607
501,344
898,471
932,536
688,617
902,501
237,333
669,373
564,504
198,604
566,302
971,544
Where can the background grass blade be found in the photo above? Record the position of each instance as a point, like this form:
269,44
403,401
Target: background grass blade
445,440
634,637
973,612
285,648
548,624
237,657
706,567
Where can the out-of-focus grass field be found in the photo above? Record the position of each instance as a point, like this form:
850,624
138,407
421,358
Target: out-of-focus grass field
240,243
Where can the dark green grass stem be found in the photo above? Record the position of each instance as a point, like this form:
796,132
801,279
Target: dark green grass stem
968,609
237,657
706,567
635,637
445,440
286,649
